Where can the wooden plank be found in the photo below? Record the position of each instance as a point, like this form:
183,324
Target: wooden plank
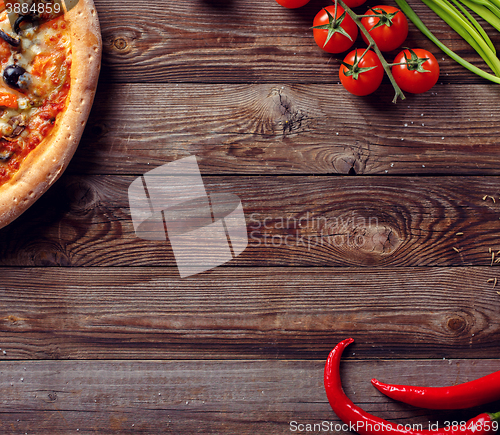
210,397
292,129
241,313
209,42
291,221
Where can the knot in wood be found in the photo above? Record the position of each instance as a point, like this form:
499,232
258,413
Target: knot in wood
287,117
99,129
52,257
353,160
456,323
120,43
81,196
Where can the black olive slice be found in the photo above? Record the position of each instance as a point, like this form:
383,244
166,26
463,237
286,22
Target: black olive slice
9,39
5,155
11,75
20,19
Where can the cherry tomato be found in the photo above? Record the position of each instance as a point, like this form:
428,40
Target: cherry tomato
330,32
416,75
389,31
292,4
353,3
365,77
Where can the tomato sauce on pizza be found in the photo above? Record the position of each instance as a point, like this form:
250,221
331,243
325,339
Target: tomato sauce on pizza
35,62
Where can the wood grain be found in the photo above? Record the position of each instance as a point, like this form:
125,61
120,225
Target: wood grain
209,397
274,313
241,42
99,334
291,129
291,221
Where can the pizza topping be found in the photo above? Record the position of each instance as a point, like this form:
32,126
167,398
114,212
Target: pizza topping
8,100
23,19
20,19
5,154
17,123
34,84
9,39
12,76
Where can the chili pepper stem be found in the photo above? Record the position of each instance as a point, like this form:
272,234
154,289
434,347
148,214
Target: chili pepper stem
495,416
385,65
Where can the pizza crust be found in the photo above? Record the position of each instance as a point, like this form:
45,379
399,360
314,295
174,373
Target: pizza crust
43,166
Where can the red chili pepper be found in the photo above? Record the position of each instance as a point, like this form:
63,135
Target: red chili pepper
368,424
466,395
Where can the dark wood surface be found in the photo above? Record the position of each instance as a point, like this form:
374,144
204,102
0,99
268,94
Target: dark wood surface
365,219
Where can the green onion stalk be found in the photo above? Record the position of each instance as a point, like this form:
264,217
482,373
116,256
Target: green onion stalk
460,20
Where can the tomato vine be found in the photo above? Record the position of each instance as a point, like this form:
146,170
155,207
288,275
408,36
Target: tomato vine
398,93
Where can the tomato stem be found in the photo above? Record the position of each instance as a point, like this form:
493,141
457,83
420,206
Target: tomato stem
376,15
355,70
385,65
334,25
364,52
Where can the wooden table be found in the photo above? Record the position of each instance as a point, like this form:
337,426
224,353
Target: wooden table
354,210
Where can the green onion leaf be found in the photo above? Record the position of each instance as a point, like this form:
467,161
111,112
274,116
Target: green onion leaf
408,11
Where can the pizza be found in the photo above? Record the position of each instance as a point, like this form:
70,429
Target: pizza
50,54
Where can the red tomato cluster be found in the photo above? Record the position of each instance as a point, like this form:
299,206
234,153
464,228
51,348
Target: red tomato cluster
361,73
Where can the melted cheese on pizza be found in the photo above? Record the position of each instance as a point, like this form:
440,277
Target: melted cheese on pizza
34,84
